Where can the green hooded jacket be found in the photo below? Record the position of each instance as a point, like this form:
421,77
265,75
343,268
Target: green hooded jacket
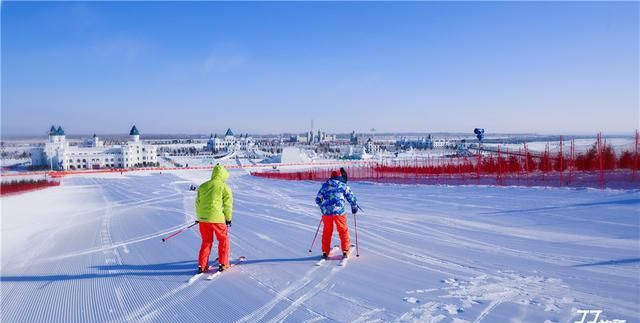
214,201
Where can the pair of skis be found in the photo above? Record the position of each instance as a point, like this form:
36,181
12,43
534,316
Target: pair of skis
343,260
214,275
211,276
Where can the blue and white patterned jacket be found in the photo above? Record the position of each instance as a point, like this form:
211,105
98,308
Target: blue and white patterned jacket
331,197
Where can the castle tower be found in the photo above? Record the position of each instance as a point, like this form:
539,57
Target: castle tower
229,134
56,135
134,134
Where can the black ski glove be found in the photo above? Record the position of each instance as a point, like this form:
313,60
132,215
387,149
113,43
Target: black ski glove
354,209
228,223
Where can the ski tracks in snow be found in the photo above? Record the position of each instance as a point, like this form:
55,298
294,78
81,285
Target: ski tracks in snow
308,281
534,293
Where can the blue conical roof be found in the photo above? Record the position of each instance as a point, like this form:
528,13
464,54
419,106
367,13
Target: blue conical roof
60,132
52,131
134,131
229,132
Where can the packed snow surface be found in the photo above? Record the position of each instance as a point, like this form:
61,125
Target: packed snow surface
91,251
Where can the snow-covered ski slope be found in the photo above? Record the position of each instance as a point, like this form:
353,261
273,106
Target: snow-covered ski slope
91,251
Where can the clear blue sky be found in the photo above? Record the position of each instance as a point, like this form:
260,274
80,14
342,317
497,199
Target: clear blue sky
198,67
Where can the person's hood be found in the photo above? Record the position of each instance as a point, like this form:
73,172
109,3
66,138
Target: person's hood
219,172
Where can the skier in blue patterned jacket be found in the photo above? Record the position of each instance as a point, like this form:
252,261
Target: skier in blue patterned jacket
331,199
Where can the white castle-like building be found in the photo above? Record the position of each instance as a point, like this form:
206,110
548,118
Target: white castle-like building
93,154
229,142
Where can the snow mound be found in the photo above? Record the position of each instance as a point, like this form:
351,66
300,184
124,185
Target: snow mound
289,155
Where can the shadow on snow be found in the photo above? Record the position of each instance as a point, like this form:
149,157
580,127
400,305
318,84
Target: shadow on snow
611,262
615,202
180,268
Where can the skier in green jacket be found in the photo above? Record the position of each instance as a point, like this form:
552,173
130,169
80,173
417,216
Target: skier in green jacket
214,205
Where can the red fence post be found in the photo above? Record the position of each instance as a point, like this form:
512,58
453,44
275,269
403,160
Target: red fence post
415,168
635,157
601,160
460,170
573,159
499,167
549,166
526,161
478,166
560,161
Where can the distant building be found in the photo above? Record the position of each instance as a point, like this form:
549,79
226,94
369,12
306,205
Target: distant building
354,139
463,149
58,155
229,142
93,142
318,137
371,147
211,143
419,143
298,139
444,143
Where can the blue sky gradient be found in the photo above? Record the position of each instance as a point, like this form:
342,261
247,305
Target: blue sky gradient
198,67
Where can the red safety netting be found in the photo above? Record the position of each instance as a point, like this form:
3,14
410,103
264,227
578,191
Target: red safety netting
25,185
599,166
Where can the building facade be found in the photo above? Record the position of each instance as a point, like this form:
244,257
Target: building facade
57,154
418,143
229,142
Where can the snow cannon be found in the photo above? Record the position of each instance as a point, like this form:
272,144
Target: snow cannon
479,133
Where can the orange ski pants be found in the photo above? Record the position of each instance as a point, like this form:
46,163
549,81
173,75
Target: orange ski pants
207,230
341,225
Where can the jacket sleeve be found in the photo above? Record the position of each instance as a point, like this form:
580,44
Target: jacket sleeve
351,198
320,196
197,198
227,202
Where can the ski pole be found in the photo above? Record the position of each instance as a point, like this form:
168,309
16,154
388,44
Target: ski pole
355,224
315,236
178,232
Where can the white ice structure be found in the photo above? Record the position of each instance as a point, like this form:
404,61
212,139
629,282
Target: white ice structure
290,155
58,155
